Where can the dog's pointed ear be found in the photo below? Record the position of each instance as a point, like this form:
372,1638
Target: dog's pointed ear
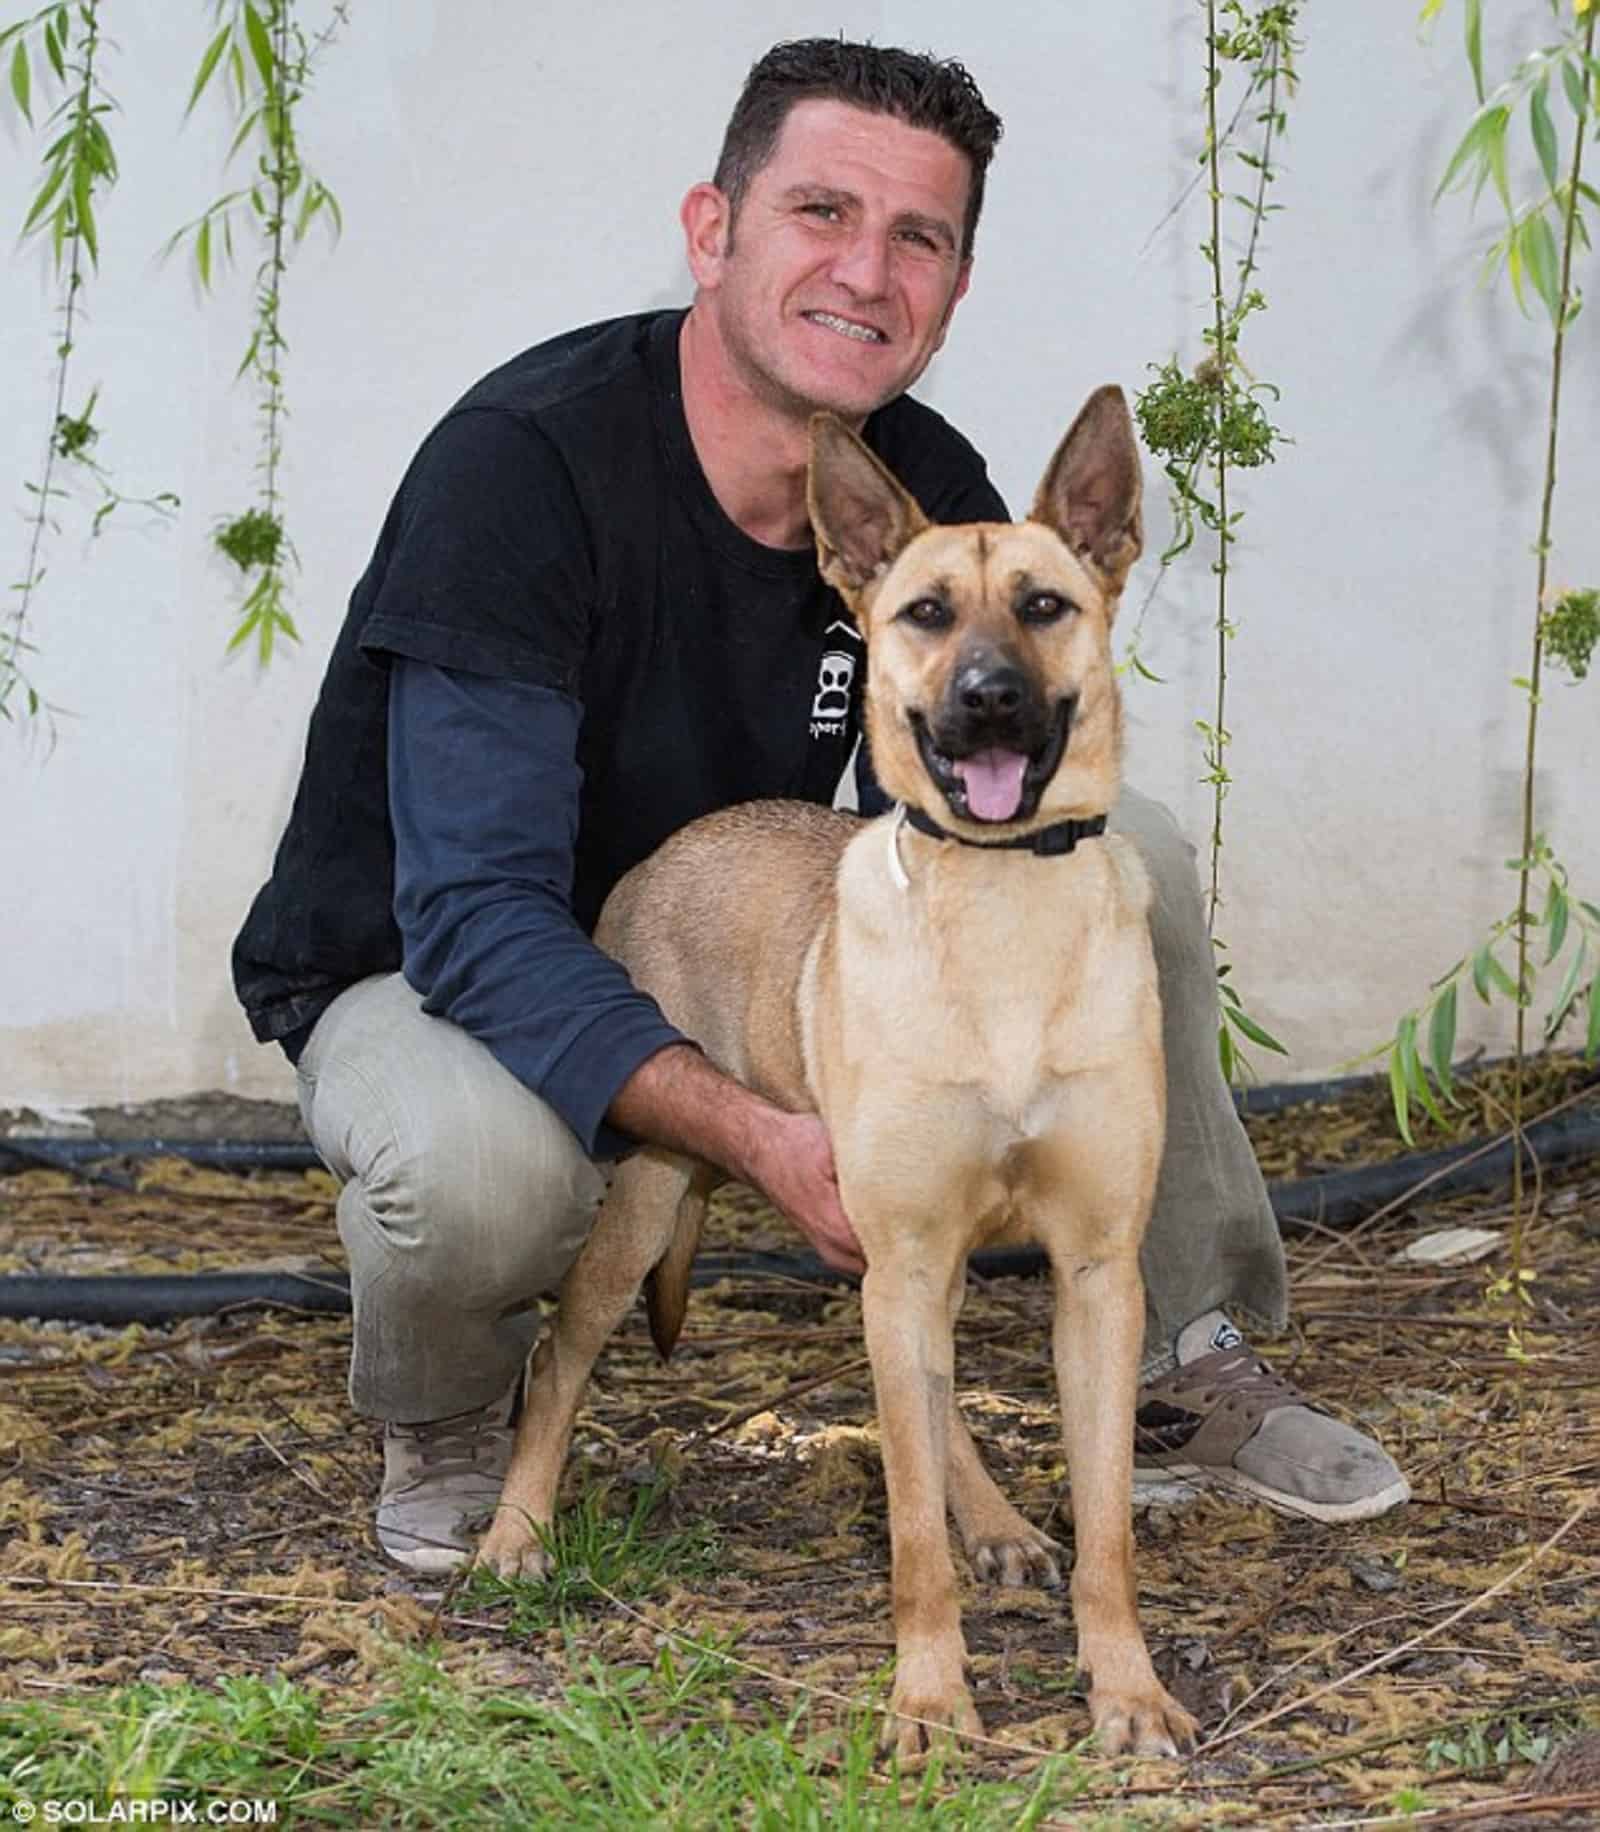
1091,491
861,516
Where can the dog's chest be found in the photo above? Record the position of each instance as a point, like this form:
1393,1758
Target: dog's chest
991,983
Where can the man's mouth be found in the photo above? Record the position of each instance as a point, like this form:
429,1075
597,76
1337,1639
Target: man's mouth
846,327
995,783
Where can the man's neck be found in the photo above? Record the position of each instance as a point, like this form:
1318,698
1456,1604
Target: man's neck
752,452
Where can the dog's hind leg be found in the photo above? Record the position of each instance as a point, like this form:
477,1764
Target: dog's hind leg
634,1229
1001,1546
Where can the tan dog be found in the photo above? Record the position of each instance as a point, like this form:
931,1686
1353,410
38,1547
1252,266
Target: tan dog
976,1023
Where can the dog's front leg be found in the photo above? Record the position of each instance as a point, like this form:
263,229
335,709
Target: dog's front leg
905,1308
1099,1326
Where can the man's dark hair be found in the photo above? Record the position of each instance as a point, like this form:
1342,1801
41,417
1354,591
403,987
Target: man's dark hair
926,92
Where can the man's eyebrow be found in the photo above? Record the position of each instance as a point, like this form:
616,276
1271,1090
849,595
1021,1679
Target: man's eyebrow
819,194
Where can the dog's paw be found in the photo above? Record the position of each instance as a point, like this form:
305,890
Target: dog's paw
1148,1722
1026,1558
511,1548
928,1704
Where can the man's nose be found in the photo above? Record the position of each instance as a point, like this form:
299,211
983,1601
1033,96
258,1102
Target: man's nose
862,264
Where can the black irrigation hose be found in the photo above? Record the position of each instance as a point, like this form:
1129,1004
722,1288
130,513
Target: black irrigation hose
83,1154
1302,1205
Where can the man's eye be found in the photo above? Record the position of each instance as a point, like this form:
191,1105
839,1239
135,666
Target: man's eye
1044,607
828,212
920,239
928,614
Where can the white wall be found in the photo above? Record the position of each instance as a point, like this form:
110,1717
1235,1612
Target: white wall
509,171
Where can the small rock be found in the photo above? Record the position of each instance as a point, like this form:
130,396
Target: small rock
1373,1574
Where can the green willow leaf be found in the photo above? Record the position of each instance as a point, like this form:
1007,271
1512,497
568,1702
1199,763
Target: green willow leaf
1577,95
1512,247
1242,1020
1227,1052
1470,151
202,252
1544,133
1442,1038
1475,43
1494,150
1503,981
1568,992
1557,912
1398,1094
1591,1045
260,48
55,44
45,198
1416,1076
208,65
1543,262
22,80
1480,972
242,634
83,211
246,127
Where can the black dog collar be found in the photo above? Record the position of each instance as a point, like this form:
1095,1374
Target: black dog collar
1049,842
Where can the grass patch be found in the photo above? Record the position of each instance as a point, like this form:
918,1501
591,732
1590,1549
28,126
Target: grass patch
616,1747
601,1550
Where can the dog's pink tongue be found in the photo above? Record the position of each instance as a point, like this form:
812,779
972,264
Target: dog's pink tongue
994,783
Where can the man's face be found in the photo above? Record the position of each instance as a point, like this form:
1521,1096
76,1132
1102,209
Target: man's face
838,281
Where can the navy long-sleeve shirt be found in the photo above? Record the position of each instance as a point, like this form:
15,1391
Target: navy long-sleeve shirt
484,794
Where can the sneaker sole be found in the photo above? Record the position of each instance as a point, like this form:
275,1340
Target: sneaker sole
1178,1482
430,1561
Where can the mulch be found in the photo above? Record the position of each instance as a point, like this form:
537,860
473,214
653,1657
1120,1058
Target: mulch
194,1501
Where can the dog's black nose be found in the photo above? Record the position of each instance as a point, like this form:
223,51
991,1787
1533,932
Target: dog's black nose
989,692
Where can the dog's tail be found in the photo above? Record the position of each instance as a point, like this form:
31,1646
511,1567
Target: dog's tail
666,1287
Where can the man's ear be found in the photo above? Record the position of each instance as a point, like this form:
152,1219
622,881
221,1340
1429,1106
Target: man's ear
707,219
861,516
1091,490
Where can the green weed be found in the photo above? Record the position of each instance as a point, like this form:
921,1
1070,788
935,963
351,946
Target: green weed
672,1744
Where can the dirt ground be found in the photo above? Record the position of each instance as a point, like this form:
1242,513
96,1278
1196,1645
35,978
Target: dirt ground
193,1501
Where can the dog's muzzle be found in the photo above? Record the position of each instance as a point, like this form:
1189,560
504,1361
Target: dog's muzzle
994,743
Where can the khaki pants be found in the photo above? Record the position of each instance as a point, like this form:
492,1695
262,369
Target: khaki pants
465,1196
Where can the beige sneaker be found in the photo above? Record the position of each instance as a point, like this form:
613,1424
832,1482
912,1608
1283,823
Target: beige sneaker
1223,1419
440,1482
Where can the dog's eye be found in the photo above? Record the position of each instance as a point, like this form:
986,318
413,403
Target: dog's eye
928,614
1044,607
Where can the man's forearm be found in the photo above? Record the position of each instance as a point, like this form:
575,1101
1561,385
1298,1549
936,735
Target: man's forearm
677,1099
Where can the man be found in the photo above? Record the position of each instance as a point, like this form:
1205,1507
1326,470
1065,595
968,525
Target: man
594,614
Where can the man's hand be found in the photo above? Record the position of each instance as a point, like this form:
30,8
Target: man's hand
795,1172
677,1099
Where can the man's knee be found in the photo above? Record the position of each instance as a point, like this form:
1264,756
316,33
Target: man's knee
457,1176
489,1215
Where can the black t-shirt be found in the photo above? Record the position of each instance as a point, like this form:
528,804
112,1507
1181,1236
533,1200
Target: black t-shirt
556,530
